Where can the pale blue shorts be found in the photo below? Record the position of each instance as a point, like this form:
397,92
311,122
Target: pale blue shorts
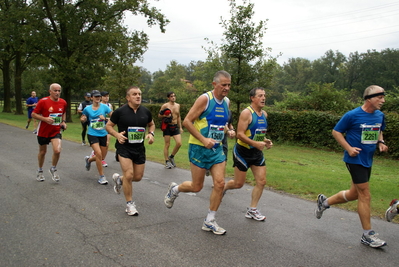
204,157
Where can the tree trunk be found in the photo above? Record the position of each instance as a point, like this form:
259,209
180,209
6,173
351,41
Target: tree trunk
66,95
18,84
7,86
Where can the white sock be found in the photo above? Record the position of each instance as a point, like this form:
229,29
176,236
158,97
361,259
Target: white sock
175,190
210,216
366,232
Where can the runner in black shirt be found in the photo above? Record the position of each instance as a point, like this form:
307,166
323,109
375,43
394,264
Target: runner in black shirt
132,120
81,107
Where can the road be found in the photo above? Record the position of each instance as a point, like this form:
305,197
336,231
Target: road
78,222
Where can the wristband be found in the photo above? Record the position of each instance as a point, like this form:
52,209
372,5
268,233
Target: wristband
64,121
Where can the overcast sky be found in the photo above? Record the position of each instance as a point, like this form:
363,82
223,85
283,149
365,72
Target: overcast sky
295,28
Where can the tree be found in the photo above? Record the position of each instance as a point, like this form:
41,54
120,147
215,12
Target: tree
7,27
79,37
145,82
121,73
36,78
202,75
298,73
380,68
352,73
15,38
173,79
24,52
329,68
242,52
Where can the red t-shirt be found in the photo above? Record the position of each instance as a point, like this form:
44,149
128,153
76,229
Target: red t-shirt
49,108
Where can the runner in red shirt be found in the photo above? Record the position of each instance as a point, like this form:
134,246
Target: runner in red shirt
50,111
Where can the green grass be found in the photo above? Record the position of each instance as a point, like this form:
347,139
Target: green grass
300,171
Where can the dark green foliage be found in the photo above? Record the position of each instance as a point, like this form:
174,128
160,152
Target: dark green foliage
391,134
313,128
391,101
84,42
321,97
242,52
354,73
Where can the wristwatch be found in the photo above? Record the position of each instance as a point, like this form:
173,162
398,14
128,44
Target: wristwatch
151,133
381,141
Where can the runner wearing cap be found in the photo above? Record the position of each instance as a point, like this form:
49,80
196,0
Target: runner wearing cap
95,115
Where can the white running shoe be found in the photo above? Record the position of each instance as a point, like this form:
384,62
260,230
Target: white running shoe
102,180
254,214
168,165
131,209
320,207
40,176
392,211
117,183
372,240
214,227
172,161
54,175
170,197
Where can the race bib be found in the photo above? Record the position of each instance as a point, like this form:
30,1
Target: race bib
57,117
216,132
370,133
97,124
259,135
135,134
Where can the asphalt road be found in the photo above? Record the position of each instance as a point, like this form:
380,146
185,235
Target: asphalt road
78,222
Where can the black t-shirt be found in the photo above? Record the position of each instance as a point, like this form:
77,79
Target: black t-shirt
125,117
85,103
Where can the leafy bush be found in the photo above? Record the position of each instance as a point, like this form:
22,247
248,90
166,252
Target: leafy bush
391,134
313,128
391,101
310,127
321,97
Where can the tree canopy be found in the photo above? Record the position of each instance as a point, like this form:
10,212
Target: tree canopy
242,53
83,39
84,45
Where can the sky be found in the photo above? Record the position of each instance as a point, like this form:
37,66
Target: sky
295,28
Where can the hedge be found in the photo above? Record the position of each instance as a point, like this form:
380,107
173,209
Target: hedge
308,128
314,128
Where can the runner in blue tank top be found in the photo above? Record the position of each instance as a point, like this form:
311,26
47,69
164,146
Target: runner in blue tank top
206,121
248,151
